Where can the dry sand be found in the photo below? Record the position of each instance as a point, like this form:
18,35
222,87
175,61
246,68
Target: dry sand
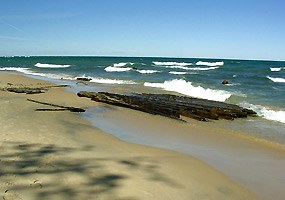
58,155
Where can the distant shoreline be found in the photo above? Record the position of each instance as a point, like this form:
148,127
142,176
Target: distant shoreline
158,57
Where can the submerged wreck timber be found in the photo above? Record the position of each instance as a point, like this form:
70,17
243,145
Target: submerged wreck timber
172,106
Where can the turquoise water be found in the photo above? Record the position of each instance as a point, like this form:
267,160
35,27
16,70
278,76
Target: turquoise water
259,85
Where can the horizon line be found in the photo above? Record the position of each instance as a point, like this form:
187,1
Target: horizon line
128,56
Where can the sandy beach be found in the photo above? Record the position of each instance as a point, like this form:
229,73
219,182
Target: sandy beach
252,162
59,155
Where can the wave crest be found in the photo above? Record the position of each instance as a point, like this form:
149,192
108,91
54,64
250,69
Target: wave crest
143,71
17,69
269,114
111,81
177,73
122,64
106,80
191,68
29,72
171,63
184,87
275,69
276,80
210,64
117,69
40,65
278,116
203,68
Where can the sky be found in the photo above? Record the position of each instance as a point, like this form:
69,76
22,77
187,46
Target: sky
240,29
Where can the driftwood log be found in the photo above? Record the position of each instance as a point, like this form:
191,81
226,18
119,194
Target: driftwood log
62,108
26,90
172,106
30,90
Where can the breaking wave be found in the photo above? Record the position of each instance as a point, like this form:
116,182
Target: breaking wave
184,87
203,68
29,72
111,81
66,77
143,71
17,69
275,69
278,116
191,68
171,63
117,69
122,64
266,113
210,64
40,65
106,80
177,67
181,73
276,80
177,73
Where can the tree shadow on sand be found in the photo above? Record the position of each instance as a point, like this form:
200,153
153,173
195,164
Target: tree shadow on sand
45,171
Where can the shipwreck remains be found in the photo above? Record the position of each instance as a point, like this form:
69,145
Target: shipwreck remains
172,106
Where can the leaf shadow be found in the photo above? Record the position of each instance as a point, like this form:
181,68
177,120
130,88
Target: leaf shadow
49,171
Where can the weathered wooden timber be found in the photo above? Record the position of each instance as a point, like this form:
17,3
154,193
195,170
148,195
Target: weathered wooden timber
172,106
62,108
29,90
26,90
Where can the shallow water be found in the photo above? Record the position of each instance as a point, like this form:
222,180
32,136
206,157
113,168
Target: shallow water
255,166
258,127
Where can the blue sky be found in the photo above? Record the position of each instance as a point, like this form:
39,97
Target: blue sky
246,29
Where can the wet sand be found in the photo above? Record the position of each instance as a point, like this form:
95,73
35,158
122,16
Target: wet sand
59,155
251,162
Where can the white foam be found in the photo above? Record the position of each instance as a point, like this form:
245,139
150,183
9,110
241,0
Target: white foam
50,75
171,63
110,81
122,64
203,68
18,69
275,69
29,72
210,64
143,71
273,115
177,73
184,87
276,80
105,80
177,67
119,64
40,65
117,69
232,84
190,68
